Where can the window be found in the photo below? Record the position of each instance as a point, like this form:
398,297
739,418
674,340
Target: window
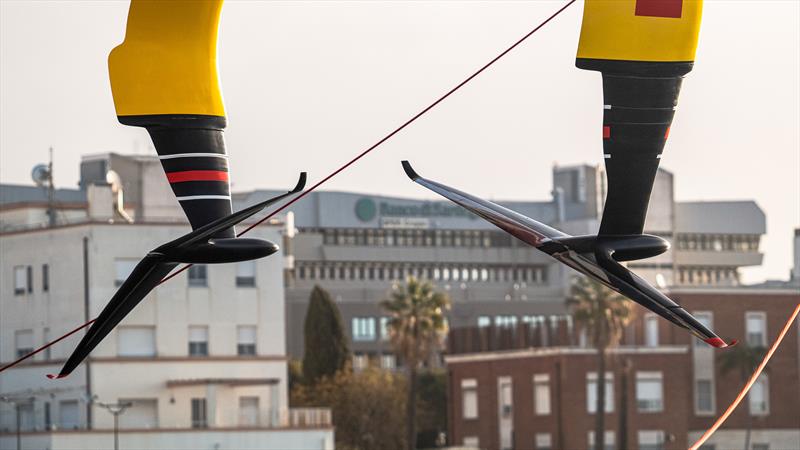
20,280
544,441
505,321
759,396
609,440
650,330
360,361
198,275
27,418
471,442
388,362
506,395
707,319
649,392
198,341
469,398
651,440
246,274
759,446
68,414
541,394
591,392
385,328
136,341
246,340
122,269
23,342
142,414
756,329
363,328
45,278
704,397
248,411
199,417
48,420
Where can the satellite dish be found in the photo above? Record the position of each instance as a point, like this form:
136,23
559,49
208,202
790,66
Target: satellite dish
40,174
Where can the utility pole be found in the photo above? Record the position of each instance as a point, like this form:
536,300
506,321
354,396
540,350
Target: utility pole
51,192
116,409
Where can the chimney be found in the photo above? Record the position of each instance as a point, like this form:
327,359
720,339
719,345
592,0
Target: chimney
101,202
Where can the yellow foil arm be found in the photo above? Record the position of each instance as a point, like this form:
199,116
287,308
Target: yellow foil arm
168,61
640,30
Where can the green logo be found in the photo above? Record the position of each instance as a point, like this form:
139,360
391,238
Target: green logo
365,209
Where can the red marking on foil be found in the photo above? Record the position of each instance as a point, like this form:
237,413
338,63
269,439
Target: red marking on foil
606,132
197,175
717,342
666,133
659,8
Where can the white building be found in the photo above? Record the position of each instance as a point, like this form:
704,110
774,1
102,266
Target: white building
202,359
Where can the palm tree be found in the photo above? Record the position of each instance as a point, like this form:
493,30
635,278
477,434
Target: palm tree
417,327
743,359
604,314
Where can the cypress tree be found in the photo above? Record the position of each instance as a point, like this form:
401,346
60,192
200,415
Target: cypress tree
326,346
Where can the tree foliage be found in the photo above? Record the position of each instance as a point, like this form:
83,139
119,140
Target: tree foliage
417,326
604,314
367,407
326,346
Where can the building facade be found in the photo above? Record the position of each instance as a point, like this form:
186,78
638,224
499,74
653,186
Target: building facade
664,388
358,245
201,361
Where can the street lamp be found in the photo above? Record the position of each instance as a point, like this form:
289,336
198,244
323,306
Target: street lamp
115,409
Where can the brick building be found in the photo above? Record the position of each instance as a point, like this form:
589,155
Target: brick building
535,386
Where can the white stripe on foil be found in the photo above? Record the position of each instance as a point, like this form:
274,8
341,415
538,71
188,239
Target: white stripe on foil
194,155
204,197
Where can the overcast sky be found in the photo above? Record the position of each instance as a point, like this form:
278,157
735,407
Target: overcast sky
308,85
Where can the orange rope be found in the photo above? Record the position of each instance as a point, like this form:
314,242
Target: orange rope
749,384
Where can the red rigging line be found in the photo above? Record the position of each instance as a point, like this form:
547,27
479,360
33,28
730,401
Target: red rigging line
194,174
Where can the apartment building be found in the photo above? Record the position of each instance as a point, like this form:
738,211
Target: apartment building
509,389
201,361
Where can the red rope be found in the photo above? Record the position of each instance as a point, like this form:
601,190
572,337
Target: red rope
10,365
337,171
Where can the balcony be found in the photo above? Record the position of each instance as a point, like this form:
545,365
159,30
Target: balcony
291,429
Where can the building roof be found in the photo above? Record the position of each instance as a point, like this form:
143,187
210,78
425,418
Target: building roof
720,217
11,194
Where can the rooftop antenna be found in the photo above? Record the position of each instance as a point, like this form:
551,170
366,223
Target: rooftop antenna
42,175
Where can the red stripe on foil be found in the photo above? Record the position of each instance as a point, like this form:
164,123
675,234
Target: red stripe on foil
197,175
659,8
606,132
